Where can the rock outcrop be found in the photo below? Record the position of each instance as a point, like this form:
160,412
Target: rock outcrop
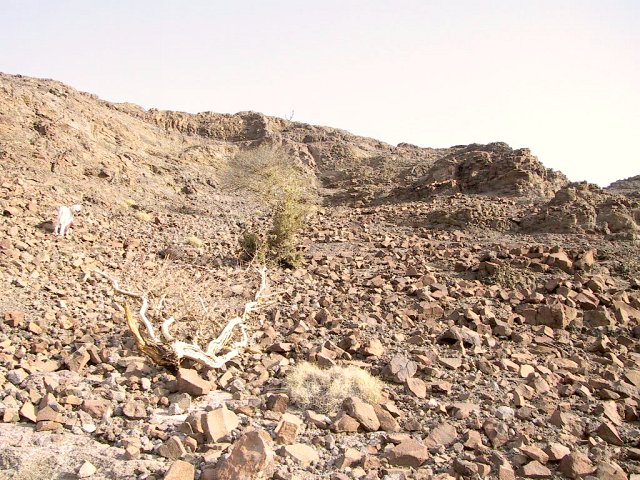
585,208
629,186
493,169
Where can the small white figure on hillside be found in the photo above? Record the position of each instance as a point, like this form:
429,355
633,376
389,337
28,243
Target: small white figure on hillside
65,219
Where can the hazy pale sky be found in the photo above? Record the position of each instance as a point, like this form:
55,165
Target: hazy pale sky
561,77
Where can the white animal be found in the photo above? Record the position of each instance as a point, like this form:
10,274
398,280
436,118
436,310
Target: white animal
65,219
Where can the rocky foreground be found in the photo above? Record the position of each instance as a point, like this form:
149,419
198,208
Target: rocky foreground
498,303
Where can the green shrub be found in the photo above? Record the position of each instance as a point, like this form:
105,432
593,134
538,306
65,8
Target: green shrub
286,189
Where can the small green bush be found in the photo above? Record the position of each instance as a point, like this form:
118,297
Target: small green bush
253,247
276,181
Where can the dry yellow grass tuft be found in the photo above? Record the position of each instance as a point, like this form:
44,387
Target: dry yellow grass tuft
143,216
195,241
127,203
324,390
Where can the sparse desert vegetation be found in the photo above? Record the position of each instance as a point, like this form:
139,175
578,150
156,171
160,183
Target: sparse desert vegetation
475,314
143,216
195,241
282,186
324,390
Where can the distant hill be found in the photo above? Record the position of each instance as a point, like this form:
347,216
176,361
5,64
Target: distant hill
627,186
57,124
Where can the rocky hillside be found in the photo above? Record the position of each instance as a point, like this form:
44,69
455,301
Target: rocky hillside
497,303
629,186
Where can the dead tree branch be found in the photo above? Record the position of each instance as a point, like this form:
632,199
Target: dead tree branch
171,352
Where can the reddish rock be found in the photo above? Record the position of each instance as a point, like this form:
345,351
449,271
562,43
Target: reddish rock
535,453
387,422
302,454
131,452
48,414
344,423
318,419
556,315
28,411
97,408
585,260
599,318
576,465
14,318
134,409
560,260
556,451
442,435
349,458
610,471
409,453
190,382
363,412
462,410
373,348
288,428
47,426
400,368
219,423
505,472
535,469
78,360
172,449
465,468
181,470
609,433
278,402
568,421
251,458
417,387
497,432
473,440
87,469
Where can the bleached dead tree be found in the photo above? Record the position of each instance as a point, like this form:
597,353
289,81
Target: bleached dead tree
166,350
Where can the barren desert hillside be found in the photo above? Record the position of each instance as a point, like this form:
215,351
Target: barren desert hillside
459,312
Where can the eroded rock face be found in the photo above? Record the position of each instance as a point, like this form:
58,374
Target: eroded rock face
494,169
25,453
628,186
585,208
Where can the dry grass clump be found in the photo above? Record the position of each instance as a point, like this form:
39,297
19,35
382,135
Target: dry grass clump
143,216
127,203
195,241
324,390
